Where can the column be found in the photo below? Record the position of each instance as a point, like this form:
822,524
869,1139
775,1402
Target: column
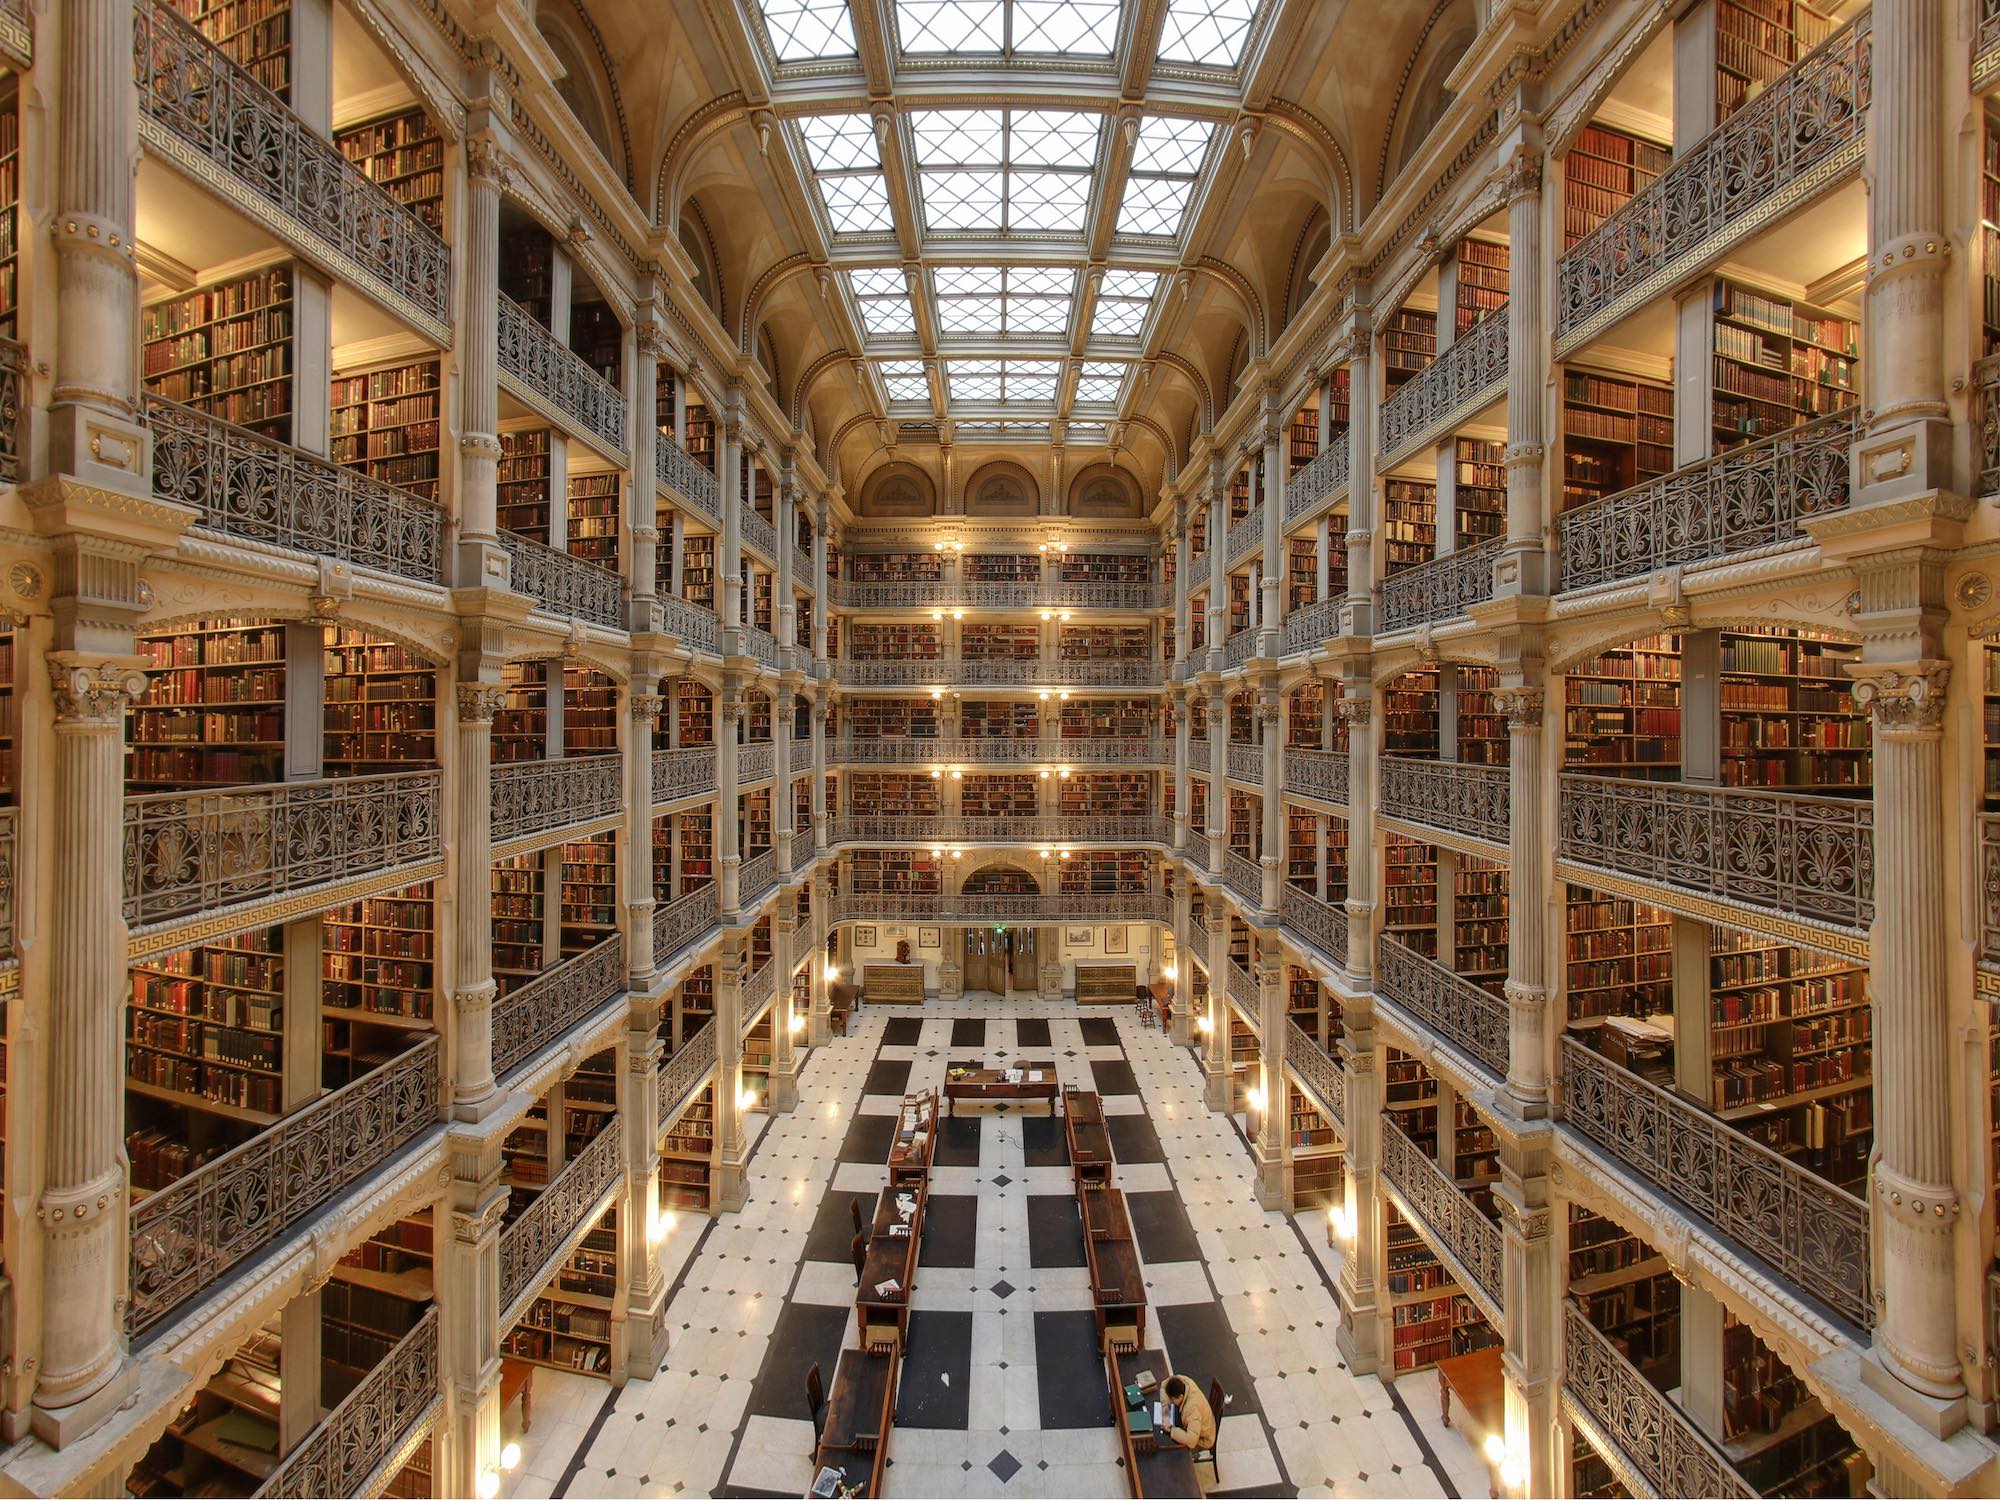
1215,1059
474,1094
819,1024
480,562
729,560
1218,563
1529,839
639,1228
1180,699
1359,1225
1183,975
1218,784
822,702
1521,569
645,708
730,972
1270,724
1272,617
729,708
1269,1147
822,590
1355,708
784,698
1357,614
1183,564
467,1275
784,607
784,1094
648,344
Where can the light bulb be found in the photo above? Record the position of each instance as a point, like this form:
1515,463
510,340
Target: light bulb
958,854
1255,1098
1496,1448
937,776
833,971
796,1025
747,1099
936,694
1062,854
937,614
1064,695
937,854
510,1457
489,1483
1204,1025
938,546
1045,775
1512,1474
958,614
1169,973
1064,617
957,775
1064,773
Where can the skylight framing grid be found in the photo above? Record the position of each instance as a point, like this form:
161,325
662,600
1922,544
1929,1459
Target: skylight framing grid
1007,171
843,162
1214,36
1003,382
991,301
905,381
881,298
802,37
1170,158
1100,384
1010,30
1124,306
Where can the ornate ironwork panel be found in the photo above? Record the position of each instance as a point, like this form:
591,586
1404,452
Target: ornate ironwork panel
535,796
756,763
1246,535
760,535
1243,994
371,1421
1447,794
1989,890
1452,1006
1307,627
1801,132
558,376
1010,830
1673,1455
1240,647
569,586
531,1242
552,1003
1322,479
203,851
1197,848
1464,377
683,773
1780,851
995,751
686,475
685,1072
223,125
802,850
1244,876
1813,1233
759,645
1750,497
683,921
760,986
1199,756
1986,389
1317,773
6,884
1198,938
688,621
1065,593
1319,922
186,1237
1246,763
1323,1078
1126,906
13,411
1452,1218
758,874
254,489
1441,589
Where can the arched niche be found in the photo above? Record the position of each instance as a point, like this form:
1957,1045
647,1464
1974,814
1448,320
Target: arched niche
1105,491
1002,488
899,488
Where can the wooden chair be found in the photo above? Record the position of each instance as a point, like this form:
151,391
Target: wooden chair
1121,1331
880,1332
816,1401
860,1249
1217,1401
854,1207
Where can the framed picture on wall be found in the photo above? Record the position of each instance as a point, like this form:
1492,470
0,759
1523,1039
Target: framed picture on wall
864,937
1078,937
930,937
1115,939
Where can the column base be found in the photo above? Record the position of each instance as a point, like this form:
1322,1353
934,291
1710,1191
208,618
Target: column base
1940,1416
1217,1092
783,1097
1270,1180
1052,985
60,1426
1355,1337
951,981
646,1336
730,1190
819,1028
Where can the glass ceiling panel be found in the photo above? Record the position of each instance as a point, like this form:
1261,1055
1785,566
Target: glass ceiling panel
1211,32
847,167
1006,171
802,30
884,300
904,380
1124,298
1099,383
1003,299
1165,162
1003,380
1063,28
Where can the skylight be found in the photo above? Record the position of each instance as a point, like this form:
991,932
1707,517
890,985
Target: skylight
905,380
806,30
1002,171
1062,28
1212,33
884,300
998,381
1123,300
1166,159
848,168
1099,383
1003,299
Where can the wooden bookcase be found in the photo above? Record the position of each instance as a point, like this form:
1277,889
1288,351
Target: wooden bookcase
1989,235
1482,281
984,642
1317,1157
256,35
889,794
598,339
205,1027
1989,704
1410,714
10,206
527,268
226,350
757,1056
1479,922
687,1157
695,843
386,423
1601,172
1122,794
1410,894
378,959
1302,437
519,923
1105,567
893,872
1105,872
1481,491
898,719
1778,363
1788,713
896,567
1408,344
1302,848
1619,955
1106,984
225,1441
697,998
698,568
992,795
1628,1291
1106,643
1622,711
569,1325
380,708
1756,42
1776,1434
590,712
403,153
589,893
884,642
1617,432
213,713
521,728
1100,718
1409,523
524,483
696,708
1001,567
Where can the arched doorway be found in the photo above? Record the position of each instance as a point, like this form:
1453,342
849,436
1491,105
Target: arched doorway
996,956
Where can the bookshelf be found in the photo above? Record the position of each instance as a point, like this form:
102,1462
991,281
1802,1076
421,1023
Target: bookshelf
1603,170
1410,894
1481,491
378,959
1108,794
1336,860
753,823
1106,567
1106,643
1410,714
256,35
982,642
1788,713
1305,719
569,1325
386,423
589,893
695,843
1629,1293
888,794
598,339
224,349
687,1156
998,796
524,1157
1409,523
893,872
1100,718
521,728
1756,41
899,719
213,713
695,705
1242,1062
1989,708
1430,1318
697,998
1319,1175
527,268
362,1318
1482,732
400,1256
698,568
10,206
226,1440
1775,1431
403,153
882,642
524,483
1778,363
897,567
1409,344
380,710
1001,567
1482,281
1618,955
758,600
1617,432
205,1027
518,920
1989,234
1302,572
1622,711
1475,1158
1106,872
757,1055
590,712
1302,437
1479,922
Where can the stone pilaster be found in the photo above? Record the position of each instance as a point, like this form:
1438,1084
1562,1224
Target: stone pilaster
1528,841
784,1092
1183,977
1532,1293
1272,618
468,1295
1218,564
1271,725
1522,569
1218,784
1357,612
731,967
645,711
1355,709
1269,1144
649,344
729,708
481,563
638,1236
1215,1057
1358,1286
1180,700
819,1024
822,591
783,695
729,558
822,704
474,1093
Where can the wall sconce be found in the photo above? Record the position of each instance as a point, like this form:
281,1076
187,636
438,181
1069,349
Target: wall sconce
796,1024
1063,616
1064,773
957,775
747,1099
958,614
1169,972
510,1458
937,854
1064,695
1045,773
1339,1226
832,972
936,775
958,854
1043,695
1048,614
1204,1025
489,1483
1254,1097
936,694
937,614
1062,854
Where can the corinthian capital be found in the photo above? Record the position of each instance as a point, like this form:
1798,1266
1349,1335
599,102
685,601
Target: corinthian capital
1522,706
487,162
646,707
1524,175
94,692
1353,712
480,702
1907,696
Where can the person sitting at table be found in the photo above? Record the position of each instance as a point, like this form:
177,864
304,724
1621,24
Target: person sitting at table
1194,1424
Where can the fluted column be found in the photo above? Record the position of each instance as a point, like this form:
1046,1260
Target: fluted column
648,344
480,565
82,1211
729,707
783,697
730,971
822,702
1355,709
639,957
1528,843
1270,723
1218,784
1357,614
784,1092
822,589
1218,561
468,1294
638,1237
1179,698
1359,1225
473,1091
1522,571
1532,1285
1273,617
1269,1148
819,1023
1183,977
730,561
1215,1058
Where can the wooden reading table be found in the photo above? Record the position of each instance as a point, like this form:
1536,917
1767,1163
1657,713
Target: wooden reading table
888,1215
981,1085
1089,1141
1117,1285
916,1139
1476,1379
1154,1463
858,1411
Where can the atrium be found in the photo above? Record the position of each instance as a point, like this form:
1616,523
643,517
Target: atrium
999,747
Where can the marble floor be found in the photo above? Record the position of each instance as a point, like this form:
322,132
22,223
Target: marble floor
1001,1390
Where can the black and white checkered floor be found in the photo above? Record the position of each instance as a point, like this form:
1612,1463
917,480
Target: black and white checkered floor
1002,1391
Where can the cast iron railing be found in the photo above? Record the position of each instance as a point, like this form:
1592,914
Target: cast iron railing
1323,1078
757,875
558,377
686,475
348,1444
1245,877
684,1073
687,772
1317,773
1321,923
536,796
552,1003
572,587
687,621
1470,372
1310,625
1325,476
1446,794
1453,1219
529,1243
13,411
683,920
1441,589
1453,1006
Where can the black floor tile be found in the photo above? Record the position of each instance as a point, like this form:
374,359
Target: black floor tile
1114,1078
1133,1139
1069,1372
832,1234
868,1138
1055,1231
903,1031
1043,1142
939,1345
887,1077
1201,1345
1031,1032
805,1334
1099,1031
1162,1228
968,1031
958,1142
951,1224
